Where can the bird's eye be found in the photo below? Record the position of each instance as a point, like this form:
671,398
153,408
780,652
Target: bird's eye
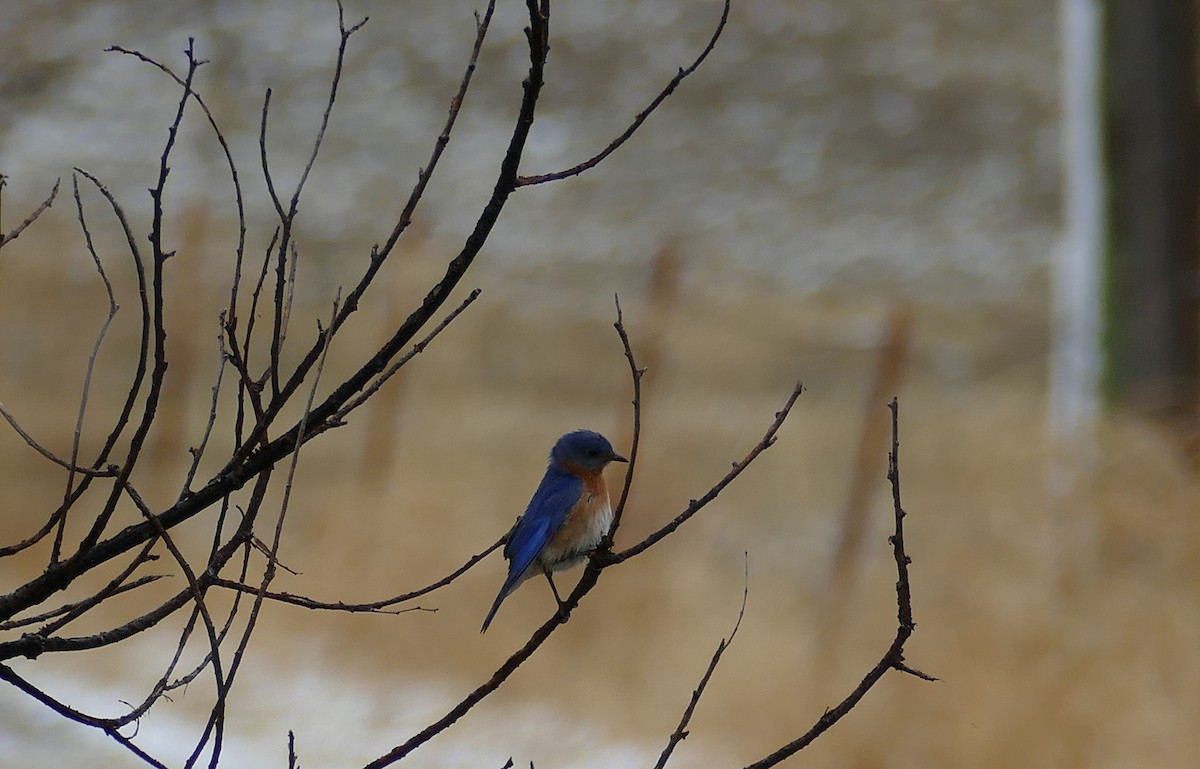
591,452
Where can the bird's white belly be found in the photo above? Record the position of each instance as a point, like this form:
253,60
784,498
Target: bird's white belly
579,535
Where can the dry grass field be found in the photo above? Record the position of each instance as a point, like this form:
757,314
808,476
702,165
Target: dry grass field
1061,617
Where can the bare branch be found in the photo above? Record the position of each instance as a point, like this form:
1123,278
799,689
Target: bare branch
426,173
197,451
505,184
216,717
893,658
152,324
65,608
233,173
7,674
592,162
333,88
49,201
144,343
286,245
87,378
71,612
193,583
416,350
696,505
39,448
635,374
382,607
135,387
681,733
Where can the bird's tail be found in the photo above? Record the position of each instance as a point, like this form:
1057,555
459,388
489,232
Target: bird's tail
499,600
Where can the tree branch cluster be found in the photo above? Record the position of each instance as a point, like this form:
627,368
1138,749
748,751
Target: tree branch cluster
253,333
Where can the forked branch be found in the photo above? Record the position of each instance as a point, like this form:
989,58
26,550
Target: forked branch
893,658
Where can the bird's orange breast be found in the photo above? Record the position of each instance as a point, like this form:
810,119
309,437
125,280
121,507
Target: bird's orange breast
585,526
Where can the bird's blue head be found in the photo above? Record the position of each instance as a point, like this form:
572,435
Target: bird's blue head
586,449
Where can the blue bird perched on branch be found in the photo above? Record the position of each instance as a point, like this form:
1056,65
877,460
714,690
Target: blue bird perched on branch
568,516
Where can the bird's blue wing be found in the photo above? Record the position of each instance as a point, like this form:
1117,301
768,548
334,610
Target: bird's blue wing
553,500
545,515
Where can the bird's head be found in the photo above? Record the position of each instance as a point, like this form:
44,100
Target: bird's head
586,449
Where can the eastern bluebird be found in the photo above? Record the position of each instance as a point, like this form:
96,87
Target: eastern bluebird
567,517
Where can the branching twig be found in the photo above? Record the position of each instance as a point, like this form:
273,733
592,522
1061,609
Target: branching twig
893,658
7,674
50,455
681,733
592,162
70,607
71,612
434,299
139,375
635,374
439,146
282,304
379,607
229,163
264,392
696,505
87,378
416,350
600,561
197,451
216,716
15,233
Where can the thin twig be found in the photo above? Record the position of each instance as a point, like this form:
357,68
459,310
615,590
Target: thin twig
213,657
229,163
197,451
635,374
221,553
681,733
345,34
108,472
33,645
592,162
893,658
457,268
49,201
73,611
69,607
439,146
153,318
139,375
193,584
379,607
7,674
696,505
416,350
216,716
282,303
87,378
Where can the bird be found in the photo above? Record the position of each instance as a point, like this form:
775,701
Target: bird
566,518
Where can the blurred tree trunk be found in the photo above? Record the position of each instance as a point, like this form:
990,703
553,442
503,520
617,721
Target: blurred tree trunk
1152,138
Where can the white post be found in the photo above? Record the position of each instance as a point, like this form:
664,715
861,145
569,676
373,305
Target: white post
1075,363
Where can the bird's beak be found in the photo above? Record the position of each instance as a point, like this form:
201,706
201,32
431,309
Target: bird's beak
617,458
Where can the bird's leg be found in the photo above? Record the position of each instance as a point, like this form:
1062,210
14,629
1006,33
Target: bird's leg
553,589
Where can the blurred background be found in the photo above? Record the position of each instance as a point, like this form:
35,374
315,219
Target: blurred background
866,197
